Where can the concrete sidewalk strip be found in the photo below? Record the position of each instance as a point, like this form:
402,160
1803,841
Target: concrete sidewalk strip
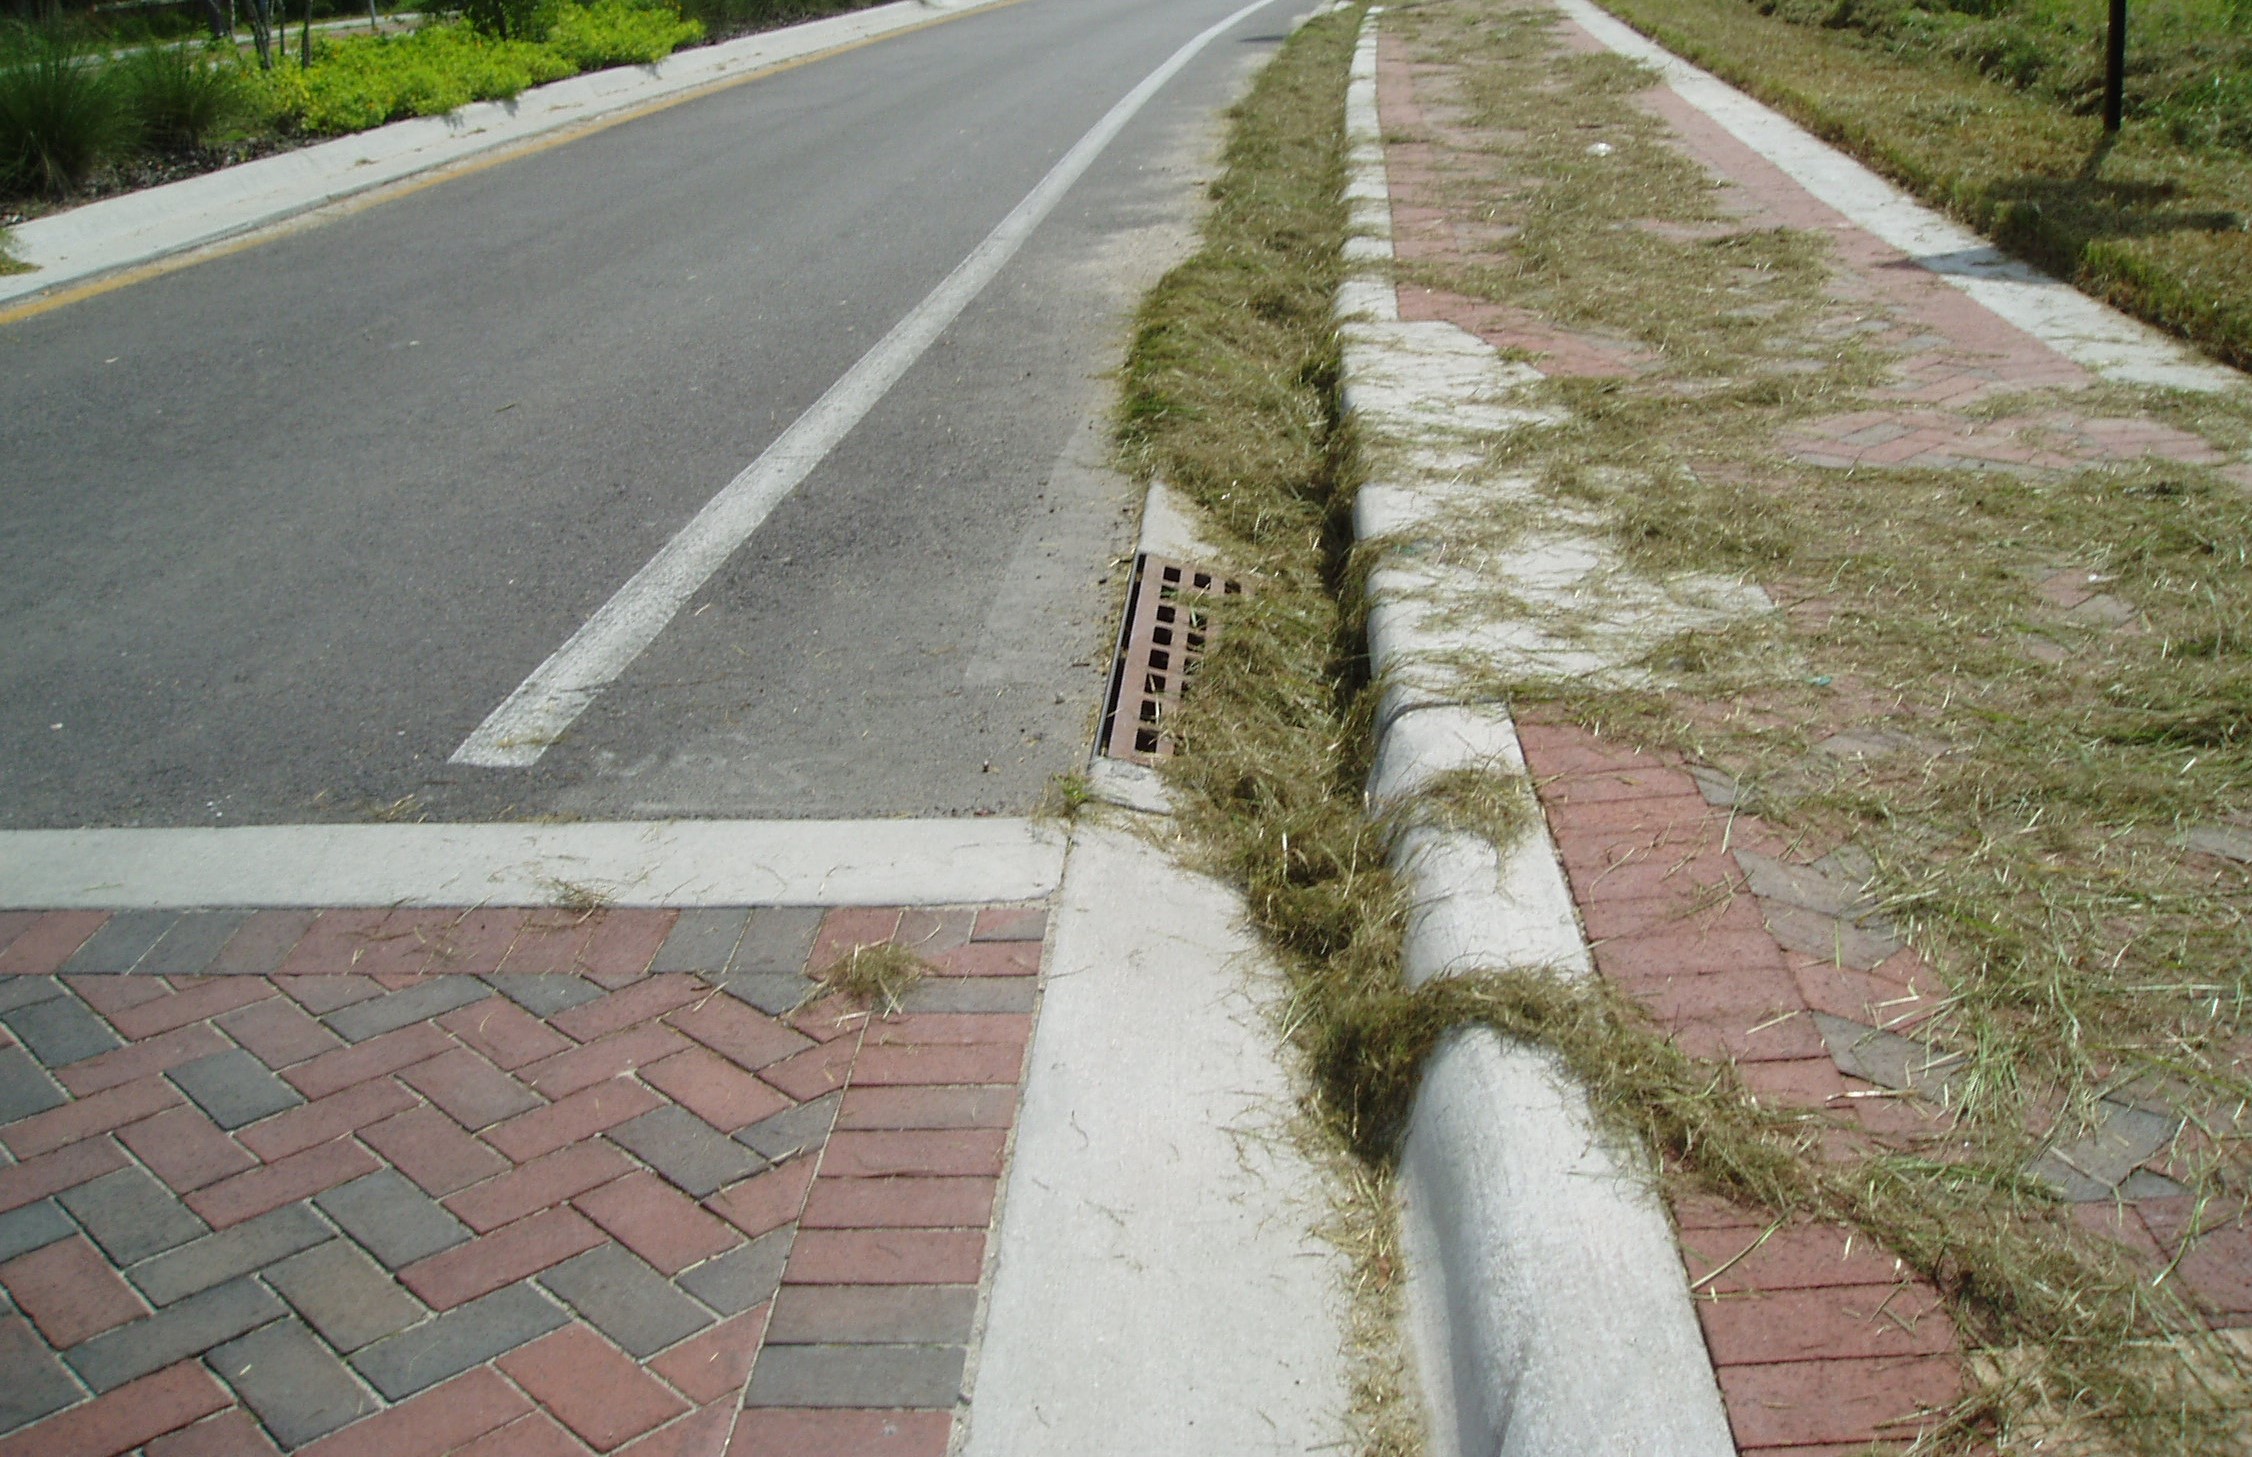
249,1218
158,222
1157,1288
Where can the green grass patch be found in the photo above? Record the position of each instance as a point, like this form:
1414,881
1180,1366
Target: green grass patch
1985,108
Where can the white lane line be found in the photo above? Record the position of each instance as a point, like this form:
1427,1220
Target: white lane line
516,734
648,863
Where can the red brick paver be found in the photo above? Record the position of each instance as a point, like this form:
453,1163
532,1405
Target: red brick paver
553,1162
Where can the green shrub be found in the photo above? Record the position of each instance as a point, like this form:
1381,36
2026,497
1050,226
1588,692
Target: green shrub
59,115
619,33
366,81
179,95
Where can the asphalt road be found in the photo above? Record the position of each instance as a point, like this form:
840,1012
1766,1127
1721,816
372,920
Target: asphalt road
279,530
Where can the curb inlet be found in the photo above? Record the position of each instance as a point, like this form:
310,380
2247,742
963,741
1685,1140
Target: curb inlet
1169,620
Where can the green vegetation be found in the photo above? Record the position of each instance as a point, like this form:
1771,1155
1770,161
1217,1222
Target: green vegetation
58,116
368,80
1986,108
68,110
179,96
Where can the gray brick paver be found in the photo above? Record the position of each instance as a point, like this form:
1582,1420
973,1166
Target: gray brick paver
856,1376
120,944
189,1328
695,1156
61,1030
22,991
25,1088
625,1299
132,1216
419,1003
777,942
234,1088
741,1278
793,1131
345,1295
466,1336
775,994
543,995
34,1226
294,1382
192,943
218,1258
702,940
33,1383
391,1218
847,1315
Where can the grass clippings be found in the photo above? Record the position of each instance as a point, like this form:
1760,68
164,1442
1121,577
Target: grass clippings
876,977
2152,220
2028,840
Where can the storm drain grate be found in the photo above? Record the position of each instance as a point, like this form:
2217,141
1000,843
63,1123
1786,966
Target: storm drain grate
1169,619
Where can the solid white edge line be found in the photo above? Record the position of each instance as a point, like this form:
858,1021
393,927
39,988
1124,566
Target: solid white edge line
652,863
547,703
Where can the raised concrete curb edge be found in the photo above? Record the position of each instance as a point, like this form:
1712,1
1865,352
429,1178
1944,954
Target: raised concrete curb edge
196,212
1546,1294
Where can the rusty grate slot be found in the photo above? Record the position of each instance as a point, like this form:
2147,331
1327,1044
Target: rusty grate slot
1169,620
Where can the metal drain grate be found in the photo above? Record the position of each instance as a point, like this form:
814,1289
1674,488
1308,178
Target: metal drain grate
1168,622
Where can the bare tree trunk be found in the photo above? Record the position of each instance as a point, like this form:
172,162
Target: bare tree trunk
262,32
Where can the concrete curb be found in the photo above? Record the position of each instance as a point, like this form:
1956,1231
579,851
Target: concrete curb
1546,1294
196,212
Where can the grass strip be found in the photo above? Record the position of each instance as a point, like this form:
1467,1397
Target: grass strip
2026,832
2145,221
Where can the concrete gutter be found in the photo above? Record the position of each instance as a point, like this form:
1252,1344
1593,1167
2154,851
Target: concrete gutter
160,222
1549,1308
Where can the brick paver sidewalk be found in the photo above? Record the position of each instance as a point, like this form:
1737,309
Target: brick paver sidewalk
496,1181
1763,949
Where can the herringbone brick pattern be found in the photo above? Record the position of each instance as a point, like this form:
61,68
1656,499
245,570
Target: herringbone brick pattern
496,1180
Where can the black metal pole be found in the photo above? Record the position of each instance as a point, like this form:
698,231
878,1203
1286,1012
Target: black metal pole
2115,68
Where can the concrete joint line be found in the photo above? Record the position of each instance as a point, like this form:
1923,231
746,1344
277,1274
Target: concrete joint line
656,863
2091,334
1545,1290
546,704
161,222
